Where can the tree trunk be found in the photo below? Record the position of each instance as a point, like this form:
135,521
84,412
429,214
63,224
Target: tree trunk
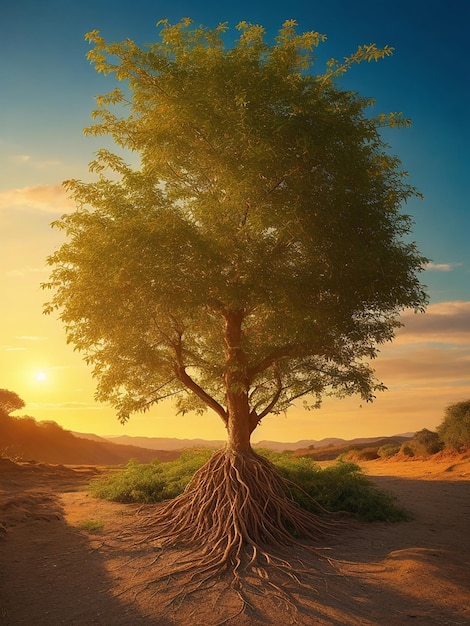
236,386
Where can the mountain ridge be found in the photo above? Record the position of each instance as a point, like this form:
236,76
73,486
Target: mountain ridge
173,443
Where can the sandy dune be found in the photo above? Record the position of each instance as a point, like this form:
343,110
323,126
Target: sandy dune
54,571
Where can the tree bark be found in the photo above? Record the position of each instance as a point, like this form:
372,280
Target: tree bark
236,385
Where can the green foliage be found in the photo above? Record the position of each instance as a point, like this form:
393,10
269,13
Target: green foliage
388,450
92,526
425,442
341,487
152,482
260,253
359,454
454,430
407,450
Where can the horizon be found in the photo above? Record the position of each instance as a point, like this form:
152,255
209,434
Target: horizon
49,98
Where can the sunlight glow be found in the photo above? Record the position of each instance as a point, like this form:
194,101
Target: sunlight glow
40,376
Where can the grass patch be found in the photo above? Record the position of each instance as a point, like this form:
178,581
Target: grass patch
92,526
340,487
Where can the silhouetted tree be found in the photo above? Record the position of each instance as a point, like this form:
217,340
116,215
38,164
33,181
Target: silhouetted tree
10,401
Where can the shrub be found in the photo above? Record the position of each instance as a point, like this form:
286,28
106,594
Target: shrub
407,450
341,487
424,443
388,450
153,482
359,454
454,430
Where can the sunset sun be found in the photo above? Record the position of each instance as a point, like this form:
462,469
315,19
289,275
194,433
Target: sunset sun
40,376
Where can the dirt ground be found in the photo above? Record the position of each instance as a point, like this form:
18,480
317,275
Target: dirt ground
63,559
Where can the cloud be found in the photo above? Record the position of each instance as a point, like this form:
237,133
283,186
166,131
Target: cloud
427,364
46,198
11,348
445,322
31,338
23,271
442,267
21,159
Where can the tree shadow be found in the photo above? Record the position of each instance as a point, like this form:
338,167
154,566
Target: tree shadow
49,572
407,572
392,573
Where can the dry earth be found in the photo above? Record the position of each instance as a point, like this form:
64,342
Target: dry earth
54,571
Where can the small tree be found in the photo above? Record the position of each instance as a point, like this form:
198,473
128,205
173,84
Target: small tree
424,443
454,430
10,401
256,257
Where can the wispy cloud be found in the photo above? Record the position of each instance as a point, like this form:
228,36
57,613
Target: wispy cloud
47,198
19,158
445,322
11,348
442,267
24,271
22,159
426,364
31,338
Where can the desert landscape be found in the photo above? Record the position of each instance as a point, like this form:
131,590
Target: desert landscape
66,560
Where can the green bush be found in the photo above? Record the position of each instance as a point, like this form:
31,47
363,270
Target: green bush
359,454
388,450
150,483
341,487
406,450
424,443
454,430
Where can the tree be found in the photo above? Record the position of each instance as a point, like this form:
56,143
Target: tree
454,430
258,255
10,401
425,442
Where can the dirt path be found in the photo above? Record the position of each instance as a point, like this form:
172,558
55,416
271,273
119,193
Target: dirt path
54,571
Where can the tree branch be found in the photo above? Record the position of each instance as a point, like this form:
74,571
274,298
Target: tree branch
192,385
255,417
183,376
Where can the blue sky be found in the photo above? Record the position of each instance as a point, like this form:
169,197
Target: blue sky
47,94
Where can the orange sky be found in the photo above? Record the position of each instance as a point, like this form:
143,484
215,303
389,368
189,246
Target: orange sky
425,368
48,90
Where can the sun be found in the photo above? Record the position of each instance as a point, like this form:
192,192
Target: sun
40,376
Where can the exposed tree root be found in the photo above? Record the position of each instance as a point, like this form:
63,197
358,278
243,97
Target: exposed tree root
236,517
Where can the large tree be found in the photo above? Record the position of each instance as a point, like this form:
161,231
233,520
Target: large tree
258,254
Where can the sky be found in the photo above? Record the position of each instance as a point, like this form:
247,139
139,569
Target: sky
47,95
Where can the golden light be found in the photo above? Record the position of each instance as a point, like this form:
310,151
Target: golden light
40,376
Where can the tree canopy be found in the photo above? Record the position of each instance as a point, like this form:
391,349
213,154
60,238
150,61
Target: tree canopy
10,401
259,253
454,429
256,255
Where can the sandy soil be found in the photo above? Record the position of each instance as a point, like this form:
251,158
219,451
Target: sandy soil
54,571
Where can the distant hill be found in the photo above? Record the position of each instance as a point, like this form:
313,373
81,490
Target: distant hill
168,443
334,450
165,443
46,442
